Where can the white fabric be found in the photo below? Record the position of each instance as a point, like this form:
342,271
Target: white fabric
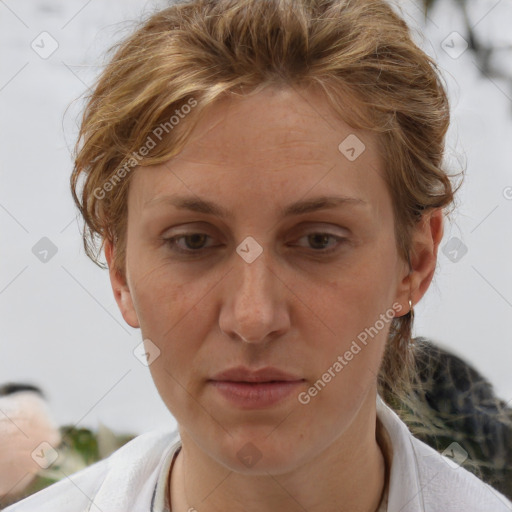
384,503
134,476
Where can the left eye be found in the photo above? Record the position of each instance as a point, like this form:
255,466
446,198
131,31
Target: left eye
322,238
194,242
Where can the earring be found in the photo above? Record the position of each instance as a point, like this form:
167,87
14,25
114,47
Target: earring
411,314
411,310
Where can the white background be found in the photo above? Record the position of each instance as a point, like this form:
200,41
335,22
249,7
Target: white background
60,325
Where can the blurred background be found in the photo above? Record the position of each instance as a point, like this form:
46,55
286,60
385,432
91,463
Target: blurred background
61,328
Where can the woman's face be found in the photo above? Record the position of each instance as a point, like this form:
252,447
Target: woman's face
268,283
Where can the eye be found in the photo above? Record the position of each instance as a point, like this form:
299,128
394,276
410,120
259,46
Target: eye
321,239
196,245
195,242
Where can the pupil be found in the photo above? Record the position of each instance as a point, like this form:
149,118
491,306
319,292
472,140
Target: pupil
195,237
320,237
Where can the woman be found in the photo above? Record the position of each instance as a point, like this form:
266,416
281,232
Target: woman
265,179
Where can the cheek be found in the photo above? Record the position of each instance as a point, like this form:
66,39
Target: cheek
354,312
169,302
347,359
168,306
354,297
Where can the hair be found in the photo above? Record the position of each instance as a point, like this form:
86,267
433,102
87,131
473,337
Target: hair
362,56
16,387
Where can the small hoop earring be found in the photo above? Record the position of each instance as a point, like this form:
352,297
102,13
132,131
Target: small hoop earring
411,310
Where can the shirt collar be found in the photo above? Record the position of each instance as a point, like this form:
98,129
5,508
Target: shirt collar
132,472
117,492
405,492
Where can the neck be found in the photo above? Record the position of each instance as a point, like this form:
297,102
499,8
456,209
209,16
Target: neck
349,475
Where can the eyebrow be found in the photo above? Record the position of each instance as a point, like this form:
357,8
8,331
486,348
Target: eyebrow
195,204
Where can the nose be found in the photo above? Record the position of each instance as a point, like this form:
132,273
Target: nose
254,305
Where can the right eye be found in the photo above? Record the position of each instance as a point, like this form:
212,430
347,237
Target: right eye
194,242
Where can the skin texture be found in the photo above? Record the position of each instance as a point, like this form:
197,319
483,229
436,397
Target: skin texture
296,309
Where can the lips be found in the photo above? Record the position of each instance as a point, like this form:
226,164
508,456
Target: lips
266,374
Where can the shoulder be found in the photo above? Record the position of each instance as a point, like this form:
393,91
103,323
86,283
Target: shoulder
121,473
447,486
71,492
424,480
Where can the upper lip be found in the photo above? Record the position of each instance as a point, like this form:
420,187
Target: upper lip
244,374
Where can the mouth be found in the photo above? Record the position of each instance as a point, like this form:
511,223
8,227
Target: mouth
257,382
263,375
256,395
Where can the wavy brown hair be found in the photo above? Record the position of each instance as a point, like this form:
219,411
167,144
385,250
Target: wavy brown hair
360,53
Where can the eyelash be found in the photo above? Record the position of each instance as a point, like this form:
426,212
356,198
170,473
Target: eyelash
171,242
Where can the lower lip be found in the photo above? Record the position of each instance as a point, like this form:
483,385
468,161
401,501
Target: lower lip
259,395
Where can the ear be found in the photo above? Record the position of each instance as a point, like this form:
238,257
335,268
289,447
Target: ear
423,255
120,288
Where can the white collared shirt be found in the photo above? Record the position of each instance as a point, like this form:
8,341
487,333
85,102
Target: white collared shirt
134,479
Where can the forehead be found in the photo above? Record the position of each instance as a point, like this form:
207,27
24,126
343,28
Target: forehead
284,141
274,123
